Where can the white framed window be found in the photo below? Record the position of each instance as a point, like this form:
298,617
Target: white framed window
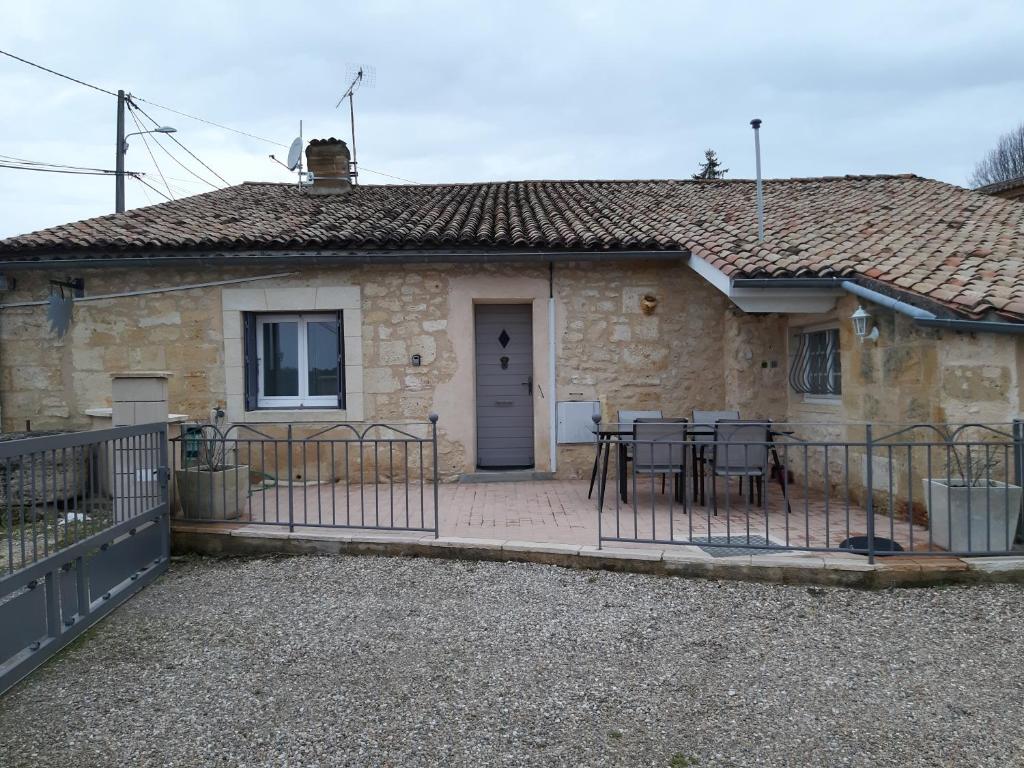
299,361
816,369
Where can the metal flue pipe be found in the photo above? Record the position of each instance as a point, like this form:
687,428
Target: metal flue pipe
756,125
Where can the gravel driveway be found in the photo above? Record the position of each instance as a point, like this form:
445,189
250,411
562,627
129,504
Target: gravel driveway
396,662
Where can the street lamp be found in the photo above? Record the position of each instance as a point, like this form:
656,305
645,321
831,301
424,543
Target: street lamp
121,148
160,129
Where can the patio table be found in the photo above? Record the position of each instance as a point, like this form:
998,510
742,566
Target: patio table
604,447
606,436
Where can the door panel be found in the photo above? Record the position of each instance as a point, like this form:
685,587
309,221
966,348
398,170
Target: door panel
504,384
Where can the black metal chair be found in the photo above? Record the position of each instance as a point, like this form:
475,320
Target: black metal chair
741,450
702,435
659,448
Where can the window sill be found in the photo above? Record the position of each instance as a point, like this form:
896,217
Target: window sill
833,400
271,415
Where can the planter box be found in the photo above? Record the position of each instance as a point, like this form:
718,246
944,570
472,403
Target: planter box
994,515
218,495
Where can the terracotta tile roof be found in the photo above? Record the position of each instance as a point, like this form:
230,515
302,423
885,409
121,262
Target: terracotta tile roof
962,249
1005,185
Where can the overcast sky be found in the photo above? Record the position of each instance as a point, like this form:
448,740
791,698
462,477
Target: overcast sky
474,91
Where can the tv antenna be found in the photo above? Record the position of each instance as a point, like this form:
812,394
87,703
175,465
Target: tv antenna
294,155
359,75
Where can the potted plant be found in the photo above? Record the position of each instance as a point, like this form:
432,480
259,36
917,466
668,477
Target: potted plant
968,511
210,487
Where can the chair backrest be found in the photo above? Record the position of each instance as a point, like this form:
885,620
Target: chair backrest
708,419
741,445
626,418
666,448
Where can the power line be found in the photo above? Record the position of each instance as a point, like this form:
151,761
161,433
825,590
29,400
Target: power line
175,140
390,176
58,74
149,199
147,101
100,172
149,150
132,99
165,197
171,154
23,161
210,122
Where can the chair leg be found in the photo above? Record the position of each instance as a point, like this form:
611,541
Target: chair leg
760,491
663,485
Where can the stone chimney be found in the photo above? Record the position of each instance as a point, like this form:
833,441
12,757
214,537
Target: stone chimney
328,161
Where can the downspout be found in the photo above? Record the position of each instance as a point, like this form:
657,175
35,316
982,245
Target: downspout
552,400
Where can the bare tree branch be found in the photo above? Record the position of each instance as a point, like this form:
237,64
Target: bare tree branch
1004,162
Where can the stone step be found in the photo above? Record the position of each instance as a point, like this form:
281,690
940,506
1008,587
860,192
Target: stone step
505,476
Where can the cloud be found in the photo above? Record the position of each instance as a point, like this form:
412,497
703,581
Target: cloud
479,91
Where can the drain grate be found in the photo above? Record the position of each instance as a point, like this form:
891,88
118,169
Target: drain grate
732,546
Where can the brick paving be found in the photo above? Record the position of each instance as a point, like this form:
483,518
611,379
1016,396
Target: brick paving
557,511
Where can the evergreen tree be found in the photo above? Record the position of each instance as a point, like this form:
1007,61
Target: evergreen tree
711,168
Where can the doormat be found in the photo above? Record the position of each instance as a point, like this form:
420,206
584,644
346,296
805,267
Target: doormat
734,546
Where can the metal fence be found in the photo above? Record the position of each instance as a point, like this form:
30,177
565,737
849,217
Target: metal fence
375,476
921,489
84,518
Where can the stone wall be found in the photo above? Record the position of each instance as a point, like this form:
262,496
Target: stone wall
608,348
910,375
694,350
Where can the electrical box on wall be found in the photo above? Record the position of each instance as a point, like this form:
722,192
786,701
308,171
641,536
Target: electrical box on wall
576,421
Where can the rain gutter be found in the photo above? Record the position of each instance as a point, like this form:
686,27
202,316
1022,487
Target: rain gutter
920,316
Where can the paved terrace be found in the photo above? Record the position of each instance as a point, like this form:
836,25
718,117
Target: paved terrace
554,521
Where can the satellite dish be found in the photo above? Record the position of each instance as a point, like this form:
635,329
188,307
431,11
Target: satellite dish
295,154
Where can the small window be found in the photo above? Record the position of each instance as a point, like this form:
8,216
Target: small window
816,367
298,361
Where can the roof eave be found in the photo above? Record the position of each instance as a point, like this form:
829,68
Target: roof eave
157,258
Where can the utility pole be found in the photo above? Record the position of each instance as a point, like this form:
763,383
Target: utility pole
119,166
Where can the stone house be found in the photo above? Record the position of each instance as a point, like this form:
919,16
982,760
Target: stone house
494,304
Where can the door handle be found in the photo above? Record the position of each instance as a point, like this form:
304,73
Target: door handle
503,402
529,385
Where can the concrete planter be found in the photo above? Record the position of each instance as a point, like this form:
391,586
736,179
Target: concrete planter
217,495
994,514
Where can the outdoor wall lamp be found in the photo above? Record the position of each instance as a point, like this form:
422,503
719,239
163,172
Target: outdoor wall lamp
861,318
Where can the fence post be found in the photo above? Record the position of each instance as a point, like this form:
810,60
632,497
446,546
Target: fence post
594,475
433,446
164,490
1018,462
291,494
869,481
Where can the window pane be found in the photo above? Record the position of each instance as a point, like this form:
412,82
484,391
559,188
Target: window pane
281,359
823,373
322,338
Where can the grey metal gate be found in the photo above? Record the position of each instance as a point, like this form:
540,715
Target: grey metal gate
85,522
